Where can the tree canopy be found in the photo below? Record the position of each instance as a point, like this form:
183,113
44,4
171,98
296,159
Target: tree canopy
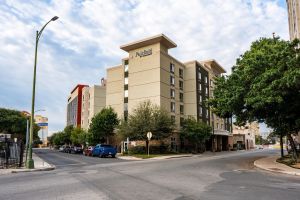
147,117
14,122
195,132
103,124
264,86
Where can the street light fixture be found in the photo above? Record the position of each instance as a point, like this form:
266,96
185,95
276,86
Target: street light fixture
30,162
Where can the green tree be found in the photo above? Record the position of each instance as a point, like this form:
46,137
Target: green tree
264,86
78,136
195,132
103,125
147,118
14,122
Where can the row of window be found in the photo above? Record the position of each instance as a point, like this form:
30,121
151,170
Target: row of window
181,108
172,82
172,70
172,95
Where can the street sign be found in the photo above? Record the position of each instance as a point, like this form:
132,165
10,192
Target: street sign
149,135
42,124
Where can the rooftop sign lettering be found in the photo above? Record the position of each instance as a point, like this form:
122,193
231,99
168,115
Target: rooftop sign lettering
143,53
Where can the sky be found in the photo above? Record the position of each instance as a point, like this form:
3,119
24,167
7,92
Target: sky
85,40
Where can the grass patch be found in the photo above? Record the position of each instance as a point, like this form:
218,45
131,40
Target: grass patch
288,160
145,156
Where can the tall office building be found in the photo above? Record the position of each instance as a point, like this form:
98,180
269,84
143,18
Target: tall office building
74,106
151,73
294,18
93,101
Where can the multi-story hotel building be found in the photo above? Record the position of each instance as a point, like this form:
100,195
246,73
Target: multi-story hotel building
74,106
151,73
294,18
93,101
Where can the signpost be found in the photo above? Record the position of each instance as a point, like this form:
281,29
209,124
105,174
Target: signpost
149,136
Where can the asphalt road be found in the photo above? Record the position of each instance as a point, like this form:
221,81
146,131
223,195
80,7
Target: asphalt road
222,176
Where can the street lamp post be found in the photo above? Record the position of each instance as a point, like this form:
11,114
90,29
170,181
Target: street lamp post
30,162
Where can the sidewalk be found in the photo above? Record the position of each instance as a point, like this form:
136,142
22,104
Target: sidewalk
155,158
270,164
39,165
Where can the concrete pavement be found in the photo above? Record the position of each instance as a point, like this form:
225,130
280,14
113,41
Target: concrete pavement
270,164
224,176
39,165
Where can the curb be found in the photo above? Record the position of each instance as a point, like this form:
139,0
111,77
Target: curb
154,158
33,170
274,169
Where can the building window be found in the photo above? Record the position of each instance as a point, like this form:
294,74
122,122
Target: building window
217,125
206,91
200,98
181,85
173,118
181,121
211,82
206,79
126,100
172,106
181,109
126,66
181,97
199,75
172,80
125,106
200,86
180,73
172,68
221,126
200,110
207,113
126,81
126,93
172,93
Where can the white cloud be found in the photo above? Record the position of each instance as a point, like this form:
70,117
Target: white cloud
85,40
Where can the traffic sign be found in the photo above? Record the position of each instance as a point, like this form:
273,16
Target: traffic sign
149,135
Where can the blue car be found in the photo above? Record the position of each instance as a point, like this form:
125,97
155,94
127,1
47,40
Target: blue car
104,150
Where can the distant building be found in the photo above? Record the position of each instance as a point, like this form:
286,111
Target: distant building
244,136
93,101
74,106
42,122
294,18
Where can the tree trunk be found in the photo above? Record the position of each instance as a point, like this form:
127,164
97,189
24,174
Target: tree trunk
281,146
293,146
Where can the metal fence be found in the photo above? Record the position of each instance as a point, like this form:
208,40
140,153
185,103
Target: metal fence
11,154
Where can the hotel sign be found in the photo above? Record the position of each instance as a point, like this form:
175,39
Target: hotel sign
143,53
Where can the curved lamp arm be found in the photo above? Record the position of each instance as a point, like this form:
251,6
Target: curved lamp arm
40,32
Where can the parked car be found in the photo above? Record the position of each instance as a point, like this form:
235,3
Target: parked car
88,151
67,149
61,148
76,149
104,150
64,148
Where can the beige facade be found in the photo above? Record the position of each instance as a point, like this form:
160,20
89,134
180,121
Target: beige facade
244,136
42,122
151,73
93,101
294,18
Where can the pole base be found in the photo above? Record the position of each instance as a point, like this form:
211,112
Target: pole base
30,164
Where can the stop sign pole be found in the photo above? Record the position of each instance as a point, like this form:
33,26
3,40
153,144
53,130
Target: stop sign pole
149,136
